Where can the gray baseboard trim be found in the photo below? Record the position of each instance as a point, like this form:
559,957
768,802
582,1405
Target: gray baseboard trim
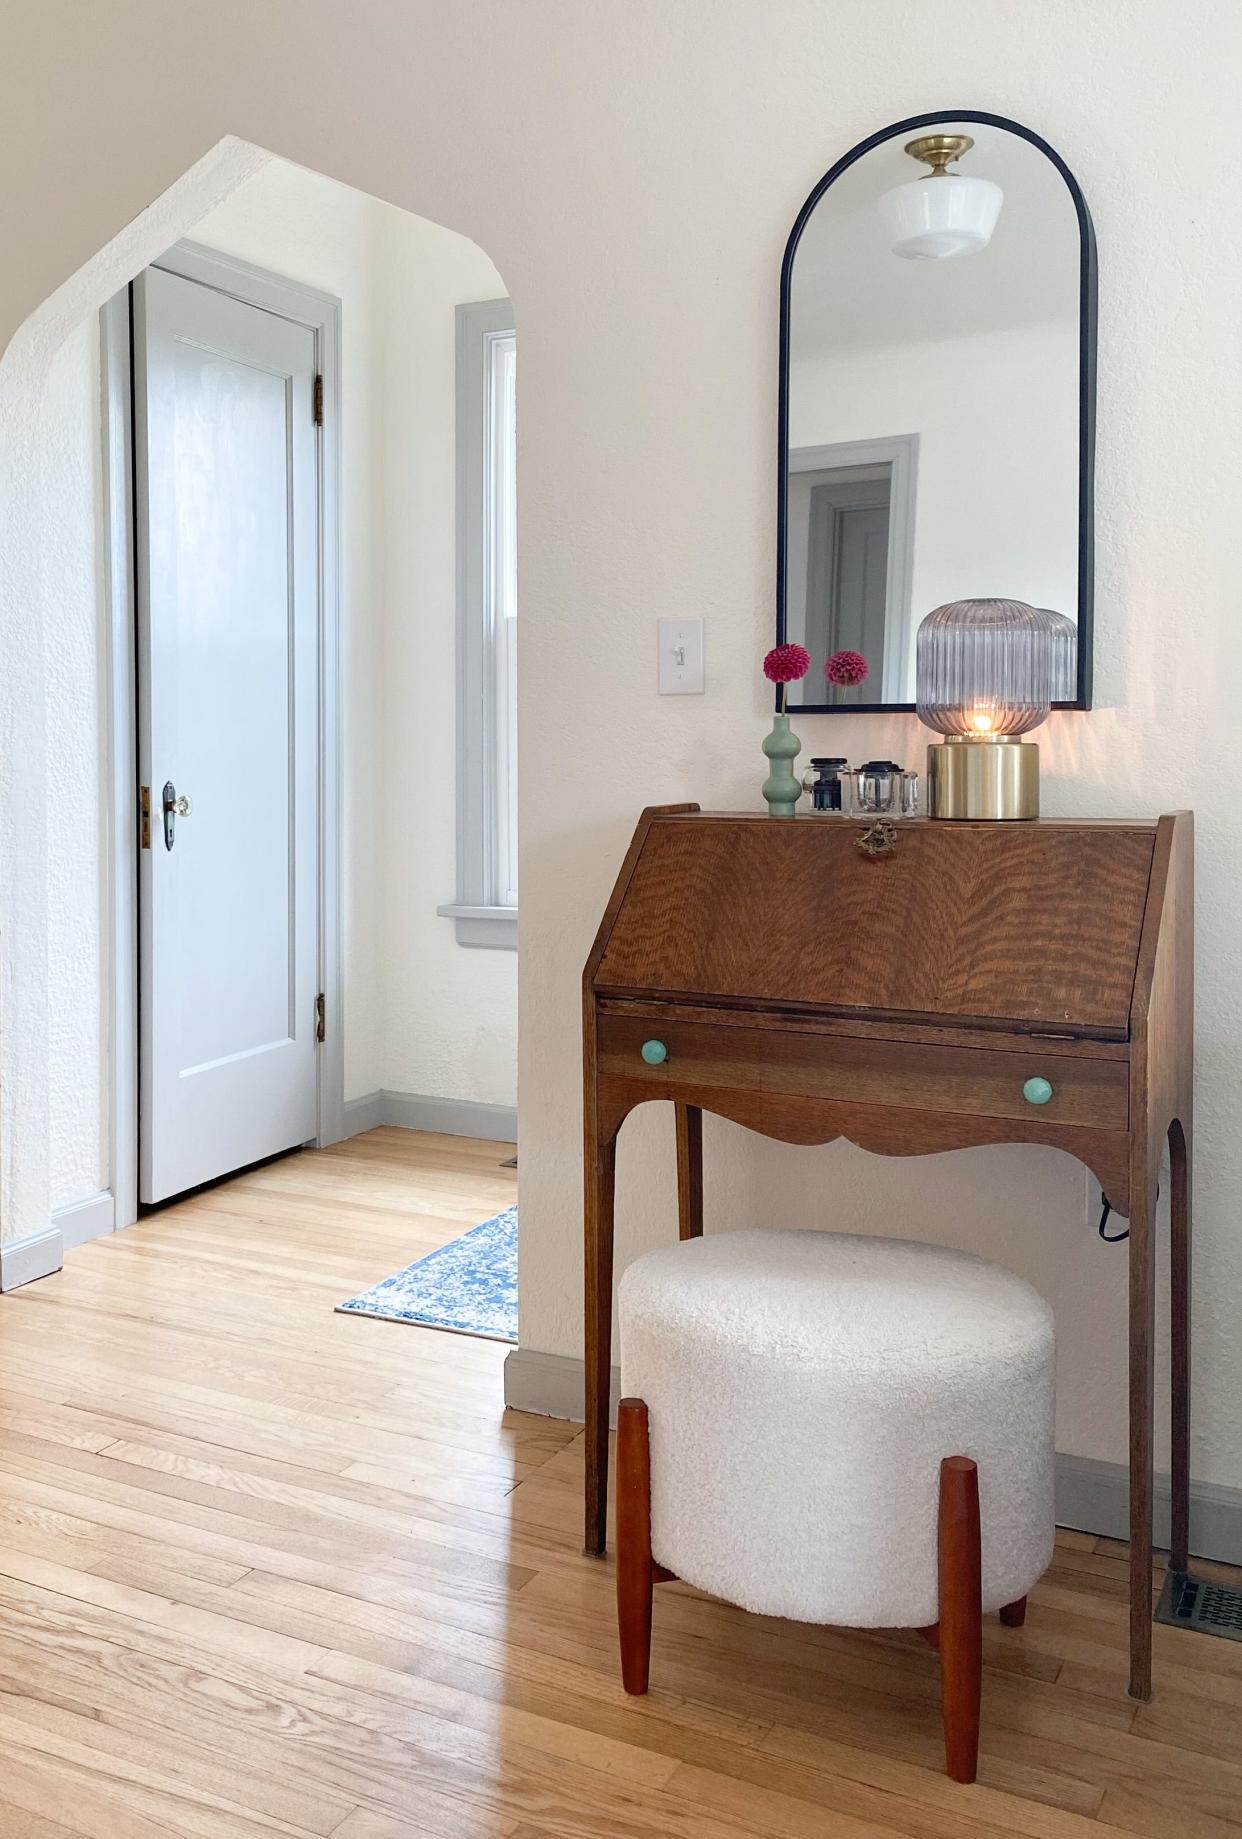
453,1117
37,1255
359,1114
1094,1496
1091,1496
87,1219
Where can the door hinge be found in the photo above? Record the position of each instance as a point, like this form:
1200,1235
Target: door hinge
317,402
321,1028
144,808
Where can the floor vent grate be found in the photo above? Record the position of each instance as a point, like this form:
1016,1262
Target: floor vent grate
1193,1602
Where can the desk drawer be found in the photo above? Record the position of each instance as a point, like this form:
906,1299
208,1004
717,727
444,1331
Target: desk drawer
1083,1090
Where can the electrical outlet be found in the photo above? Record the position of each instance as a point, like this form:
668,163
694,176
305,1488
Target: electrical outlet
681,657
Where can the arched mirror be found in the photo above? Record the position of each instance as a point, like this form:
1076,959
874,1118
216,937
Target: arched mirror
936,402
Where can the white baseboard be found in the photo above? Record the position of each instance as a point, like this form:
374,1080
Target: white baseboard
1091,1496
85,1219
454,1117
37,1255
41,1253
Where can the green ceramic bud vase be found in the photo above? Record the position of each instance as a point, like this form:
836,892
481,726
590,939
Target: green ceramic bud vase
782,788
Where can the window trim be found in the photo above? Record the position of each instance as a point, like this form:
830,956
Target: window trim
478,918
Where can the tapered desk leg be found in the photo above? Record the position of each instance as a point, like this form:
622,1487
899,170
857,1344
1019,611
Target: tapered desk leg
689,1170
1142,1369
601,1168
1179,1309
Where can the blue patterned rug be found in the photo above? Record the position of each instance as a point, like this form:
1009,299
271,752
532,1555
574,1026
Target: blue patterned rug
469,1286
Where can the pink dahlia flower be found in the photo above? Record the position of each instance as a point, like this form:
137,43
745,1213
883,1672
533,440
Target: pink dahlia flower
847,667
786,663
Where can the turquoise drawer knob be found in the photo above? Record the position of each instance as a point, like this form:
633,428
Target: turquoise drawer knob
655,1053
1036,1091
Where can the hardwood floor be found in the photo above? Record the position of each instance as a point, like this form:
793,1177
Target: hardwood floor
269,1570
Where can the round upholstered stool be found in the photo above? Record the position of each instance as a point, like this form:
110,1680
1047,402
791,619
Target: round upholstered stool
836,1429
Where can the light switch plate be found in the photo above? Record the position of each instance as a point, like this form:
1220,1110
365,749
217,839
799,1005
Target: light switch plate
681,657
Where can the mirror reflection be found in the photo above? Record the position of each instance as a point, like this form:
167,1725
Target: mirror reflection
934,403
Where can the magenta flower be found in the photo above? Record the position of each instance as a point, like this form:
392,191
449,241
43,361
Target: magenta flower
847,667
785,664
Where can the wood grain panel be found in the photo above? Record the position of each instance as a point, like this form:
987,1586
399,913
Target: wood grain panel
961,1079
1034,923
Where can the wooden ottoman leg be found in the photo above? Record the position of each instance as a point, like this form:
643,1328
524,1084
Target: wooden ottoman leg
1013,1615
634,1567
961,1615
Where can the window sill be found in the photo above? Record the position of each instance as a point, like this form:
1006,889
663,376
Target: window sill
493,928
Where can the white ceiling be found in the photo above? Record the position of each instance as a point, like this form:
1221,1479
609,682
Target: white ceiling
850,290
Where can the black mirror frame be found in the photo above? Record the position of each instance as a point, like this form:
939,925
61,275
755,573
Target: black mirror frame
1087,319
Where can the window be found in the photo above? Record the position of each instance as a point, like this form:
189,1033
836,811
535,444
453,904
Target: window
485,910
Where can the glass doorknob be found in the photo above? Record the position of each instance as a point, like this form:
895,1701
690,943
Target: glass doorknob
654,1053
1037,1091
184,805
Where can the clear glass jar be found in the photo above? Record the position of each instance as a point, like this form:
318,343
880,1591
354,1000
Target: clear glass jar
828,783
881,788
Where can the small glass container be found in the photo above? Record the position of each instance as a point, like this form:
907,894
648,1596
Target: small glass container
884,789
828,783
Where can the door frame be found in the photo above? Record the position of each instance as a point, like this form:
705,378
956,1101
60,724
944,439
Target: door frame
321,314
899,452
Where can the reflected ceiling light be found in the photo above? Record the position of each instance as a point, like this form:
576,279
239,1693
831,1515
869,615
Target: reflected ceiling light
944,213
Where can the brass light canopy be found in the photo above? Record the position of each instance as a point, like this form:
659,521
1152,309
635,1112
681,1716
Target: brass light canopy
939,151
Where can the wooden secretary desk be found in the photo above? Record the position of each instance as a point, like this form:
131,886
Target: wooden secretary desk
971,983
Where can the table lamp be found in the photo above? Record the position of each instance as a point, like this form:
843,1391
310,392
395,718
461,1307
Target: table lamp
983,678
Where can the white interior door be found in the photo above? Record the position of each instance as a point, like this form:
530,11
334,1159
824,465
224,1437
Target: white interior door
227,577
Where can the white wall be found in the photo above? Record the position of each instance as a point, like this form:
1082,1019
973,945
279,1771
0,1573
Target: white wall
450,1011
996,482
72,566
634,171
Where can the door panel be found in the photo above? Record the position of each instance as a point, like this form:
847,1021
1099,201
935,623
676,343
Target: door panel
227,571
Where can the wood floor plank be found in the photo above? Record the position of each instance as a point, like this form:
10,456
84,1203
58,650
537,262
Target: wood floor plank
266,1569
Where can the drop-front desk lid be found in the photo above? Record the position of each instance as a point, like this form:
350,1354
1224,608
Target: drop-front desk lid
1027,925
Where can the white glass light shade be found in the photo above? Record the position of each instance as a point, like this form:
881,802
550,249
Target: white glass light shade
933,219
985,667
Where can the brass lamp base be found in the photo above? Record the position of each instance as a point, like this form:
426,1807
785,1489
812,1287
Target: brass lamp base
983,776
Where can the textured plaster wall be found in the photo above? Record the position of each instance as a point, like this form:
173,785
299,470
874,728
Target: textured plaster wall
633,171
72,564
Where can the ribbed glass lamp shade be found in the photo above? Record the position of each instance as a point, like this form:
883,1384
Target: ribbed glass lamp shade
1064,656
985,667
936,218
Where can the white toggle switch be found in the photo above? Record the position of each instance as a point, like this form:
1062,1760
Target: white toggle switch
681,657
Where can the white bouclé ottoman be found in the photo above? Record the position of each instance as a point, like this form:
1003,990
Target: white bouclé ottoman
801,1392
